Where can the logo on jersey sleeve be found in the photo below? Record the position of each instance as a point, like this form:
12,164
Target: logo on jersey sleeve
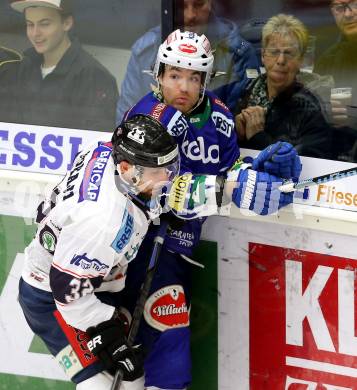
223,124
167,308
93,175
177,125
86,263
126,230
48,239
221,104
158,111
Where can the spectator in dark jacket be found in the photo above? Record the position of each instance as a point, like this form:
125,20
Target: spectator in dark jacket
276,106
340,61
60,84
9,62
232,54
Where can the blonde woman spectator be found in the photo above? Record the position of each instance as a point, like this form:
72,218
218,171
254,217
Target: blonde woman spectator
276,106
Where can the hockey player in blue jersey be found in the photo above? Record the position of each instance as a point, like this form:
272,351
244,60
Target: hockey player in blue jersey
200,122
204,129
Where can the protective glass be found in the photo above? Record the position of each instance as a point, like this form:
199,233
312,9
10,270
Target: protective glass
340,8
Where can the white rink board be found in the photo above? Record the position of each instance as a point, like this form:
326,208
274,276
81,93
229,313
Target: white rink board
233,236
322,231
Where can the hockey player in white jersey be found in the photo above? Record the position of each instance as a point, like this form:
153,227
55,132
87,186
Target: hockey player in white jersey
89,230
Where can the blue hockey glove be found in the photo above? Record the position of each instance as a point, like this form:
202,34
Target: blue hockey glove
279,159
258,191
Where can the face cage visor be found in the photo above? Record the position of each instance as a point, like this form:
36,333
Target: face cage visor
155,177
170,171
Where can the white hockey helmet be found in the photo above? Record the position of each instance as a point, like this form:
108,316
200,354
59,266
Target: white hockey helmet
186,50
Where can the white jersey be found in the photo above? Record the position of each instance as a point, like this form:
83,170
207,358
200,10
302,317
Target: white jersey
88,233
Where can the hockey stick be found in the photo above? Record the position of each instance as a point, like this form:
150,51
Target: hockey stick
289,186
145,289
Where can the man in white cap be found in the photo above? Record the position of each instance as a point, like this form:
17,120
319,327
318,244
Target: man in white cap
60,84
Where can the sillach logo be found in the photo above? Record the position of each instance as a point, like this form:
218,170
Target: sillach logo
167,308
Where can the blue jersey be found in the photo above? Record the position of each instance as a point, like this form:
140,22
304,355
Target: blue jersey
207,146
210,148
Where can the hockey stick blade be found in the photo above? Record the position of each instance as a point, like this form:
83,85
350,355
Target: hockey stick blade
289,186
145,289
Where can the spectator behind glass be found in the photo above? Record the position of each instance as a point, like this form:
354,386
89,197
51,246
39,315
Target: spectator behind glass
276,106
60,84
340,61
232,55
9,62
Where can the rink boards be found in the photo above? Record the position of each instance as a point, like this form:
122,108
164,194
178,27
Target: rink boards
286,306
284,303
274,308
